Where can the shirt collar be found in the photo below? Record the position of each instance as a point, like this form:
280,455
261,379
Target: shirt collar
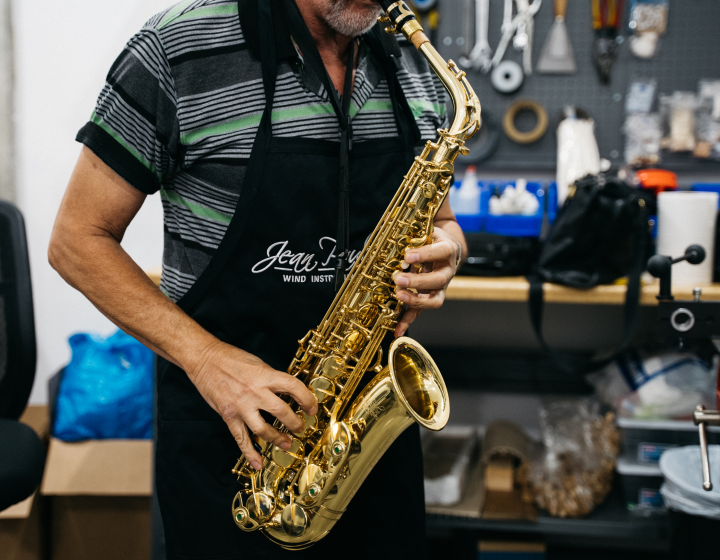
249,23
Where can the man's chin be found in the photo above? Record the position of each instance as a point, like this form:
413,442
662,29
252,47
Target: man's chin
350,19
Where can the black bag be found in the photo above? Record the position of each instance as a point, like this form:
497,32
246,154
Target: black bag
498,255
601,234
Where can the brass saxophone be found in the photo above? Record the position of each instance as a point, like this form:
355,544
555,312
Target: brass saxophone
299,494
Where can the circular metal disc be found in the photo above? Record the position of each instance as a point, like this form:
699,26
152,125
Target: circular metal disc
294,520
260,506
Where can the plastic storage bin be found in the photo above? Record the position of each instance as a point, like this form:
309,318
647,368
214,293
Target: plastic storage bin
469,222
641,486
519,225
645,440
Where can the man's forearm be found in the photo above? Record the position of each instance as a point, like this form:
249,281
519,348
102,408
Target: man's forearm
96,265
85,249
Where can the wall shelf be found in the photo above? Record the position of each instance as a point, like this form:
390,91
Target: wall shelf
515,289
610,524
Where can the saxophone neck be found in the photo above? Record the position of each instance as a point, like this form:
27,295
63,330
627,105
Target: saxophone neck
466,122
402,20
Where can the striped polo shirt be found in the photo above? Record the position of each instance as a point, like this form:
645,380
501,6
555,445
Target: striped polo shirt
183,102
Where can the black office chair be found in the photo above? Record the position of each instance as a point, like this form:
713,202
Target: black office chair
22,455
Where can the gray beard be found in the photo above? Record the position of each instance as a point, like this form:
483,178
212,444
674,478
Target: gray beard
347,21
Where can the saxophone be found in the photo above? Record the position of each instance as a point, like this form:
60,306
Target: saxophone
299,494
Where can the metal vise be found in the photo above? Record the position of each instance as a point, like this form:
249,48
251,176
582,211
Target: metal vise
688,319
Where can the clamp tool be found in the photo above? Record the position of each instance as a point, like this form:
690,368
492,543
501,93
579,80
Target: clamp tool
688,319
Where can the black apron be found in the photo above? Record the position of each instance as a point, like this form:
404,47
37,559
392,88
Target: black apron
270,282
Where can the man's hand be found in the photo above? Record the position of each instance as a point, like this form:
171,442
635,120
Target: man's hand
439,263
85,249
239,385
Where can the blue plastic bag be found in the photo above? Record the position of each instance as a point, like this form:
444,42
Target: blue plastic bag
106,392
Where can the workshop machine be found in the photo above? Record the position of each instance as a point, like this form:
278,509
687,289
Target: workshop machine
682,320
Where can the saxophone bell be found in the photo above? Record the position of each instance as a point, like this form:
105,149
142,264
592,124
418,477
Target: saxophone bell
419,384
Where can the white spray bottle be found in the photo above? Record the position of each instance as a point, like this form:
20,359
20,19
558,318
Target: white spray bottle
467,199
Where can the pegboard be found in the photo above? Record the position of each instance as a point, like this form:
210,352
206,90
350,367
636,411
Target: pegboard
687,53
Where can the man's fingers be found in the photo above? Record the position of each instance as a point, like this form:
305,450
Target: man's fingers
432,300
267,432
289,385
435,280
406,320
242,438
440,251
284,413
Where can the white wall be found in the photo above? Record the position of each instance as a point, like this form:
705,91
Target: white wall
63,51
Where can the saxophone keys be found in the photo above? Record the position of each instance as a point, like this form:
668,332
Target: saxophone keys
429,189
353,342
337,449
294,520
260,507
310,425
446,168
368,314
287,458
309,478
323,389
381,293
333,366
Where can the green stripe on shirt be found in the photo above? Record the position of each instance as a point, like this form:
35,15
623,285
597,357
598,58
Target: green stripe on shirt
195,208
223,128
209,11
418,106
254,120
173,13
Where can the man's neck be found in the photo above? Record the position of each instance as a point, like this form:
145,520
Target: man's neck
332,46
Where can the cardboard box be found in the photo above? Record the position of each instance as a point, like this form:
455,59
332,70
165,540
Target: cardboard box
100,499
22,531
22,526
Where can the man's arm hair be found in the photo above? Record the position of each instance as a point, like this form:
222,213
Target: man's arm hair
85,250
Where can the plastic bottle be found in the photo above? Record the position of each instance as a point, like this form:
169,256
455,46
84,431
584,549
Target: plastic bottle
467,198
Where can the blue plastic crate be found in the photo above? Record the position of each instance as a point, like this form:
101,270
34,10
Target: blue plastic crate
471,222
518,225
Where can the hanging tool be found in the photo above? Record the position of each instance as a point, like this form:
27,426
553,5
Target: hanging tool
510,26
523,39
557,55
480,58
533,135
507,77
606,15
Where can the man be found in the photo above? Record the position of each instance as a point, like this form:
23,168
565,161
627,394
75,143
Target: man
233,110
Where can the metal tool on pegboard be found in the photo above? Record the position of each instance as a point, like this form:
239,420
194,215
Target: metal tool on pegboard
557,56
606,15
510,26
480,57
677,65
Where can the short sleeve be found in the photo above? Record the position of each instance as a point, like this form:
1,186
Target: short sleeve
134,128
